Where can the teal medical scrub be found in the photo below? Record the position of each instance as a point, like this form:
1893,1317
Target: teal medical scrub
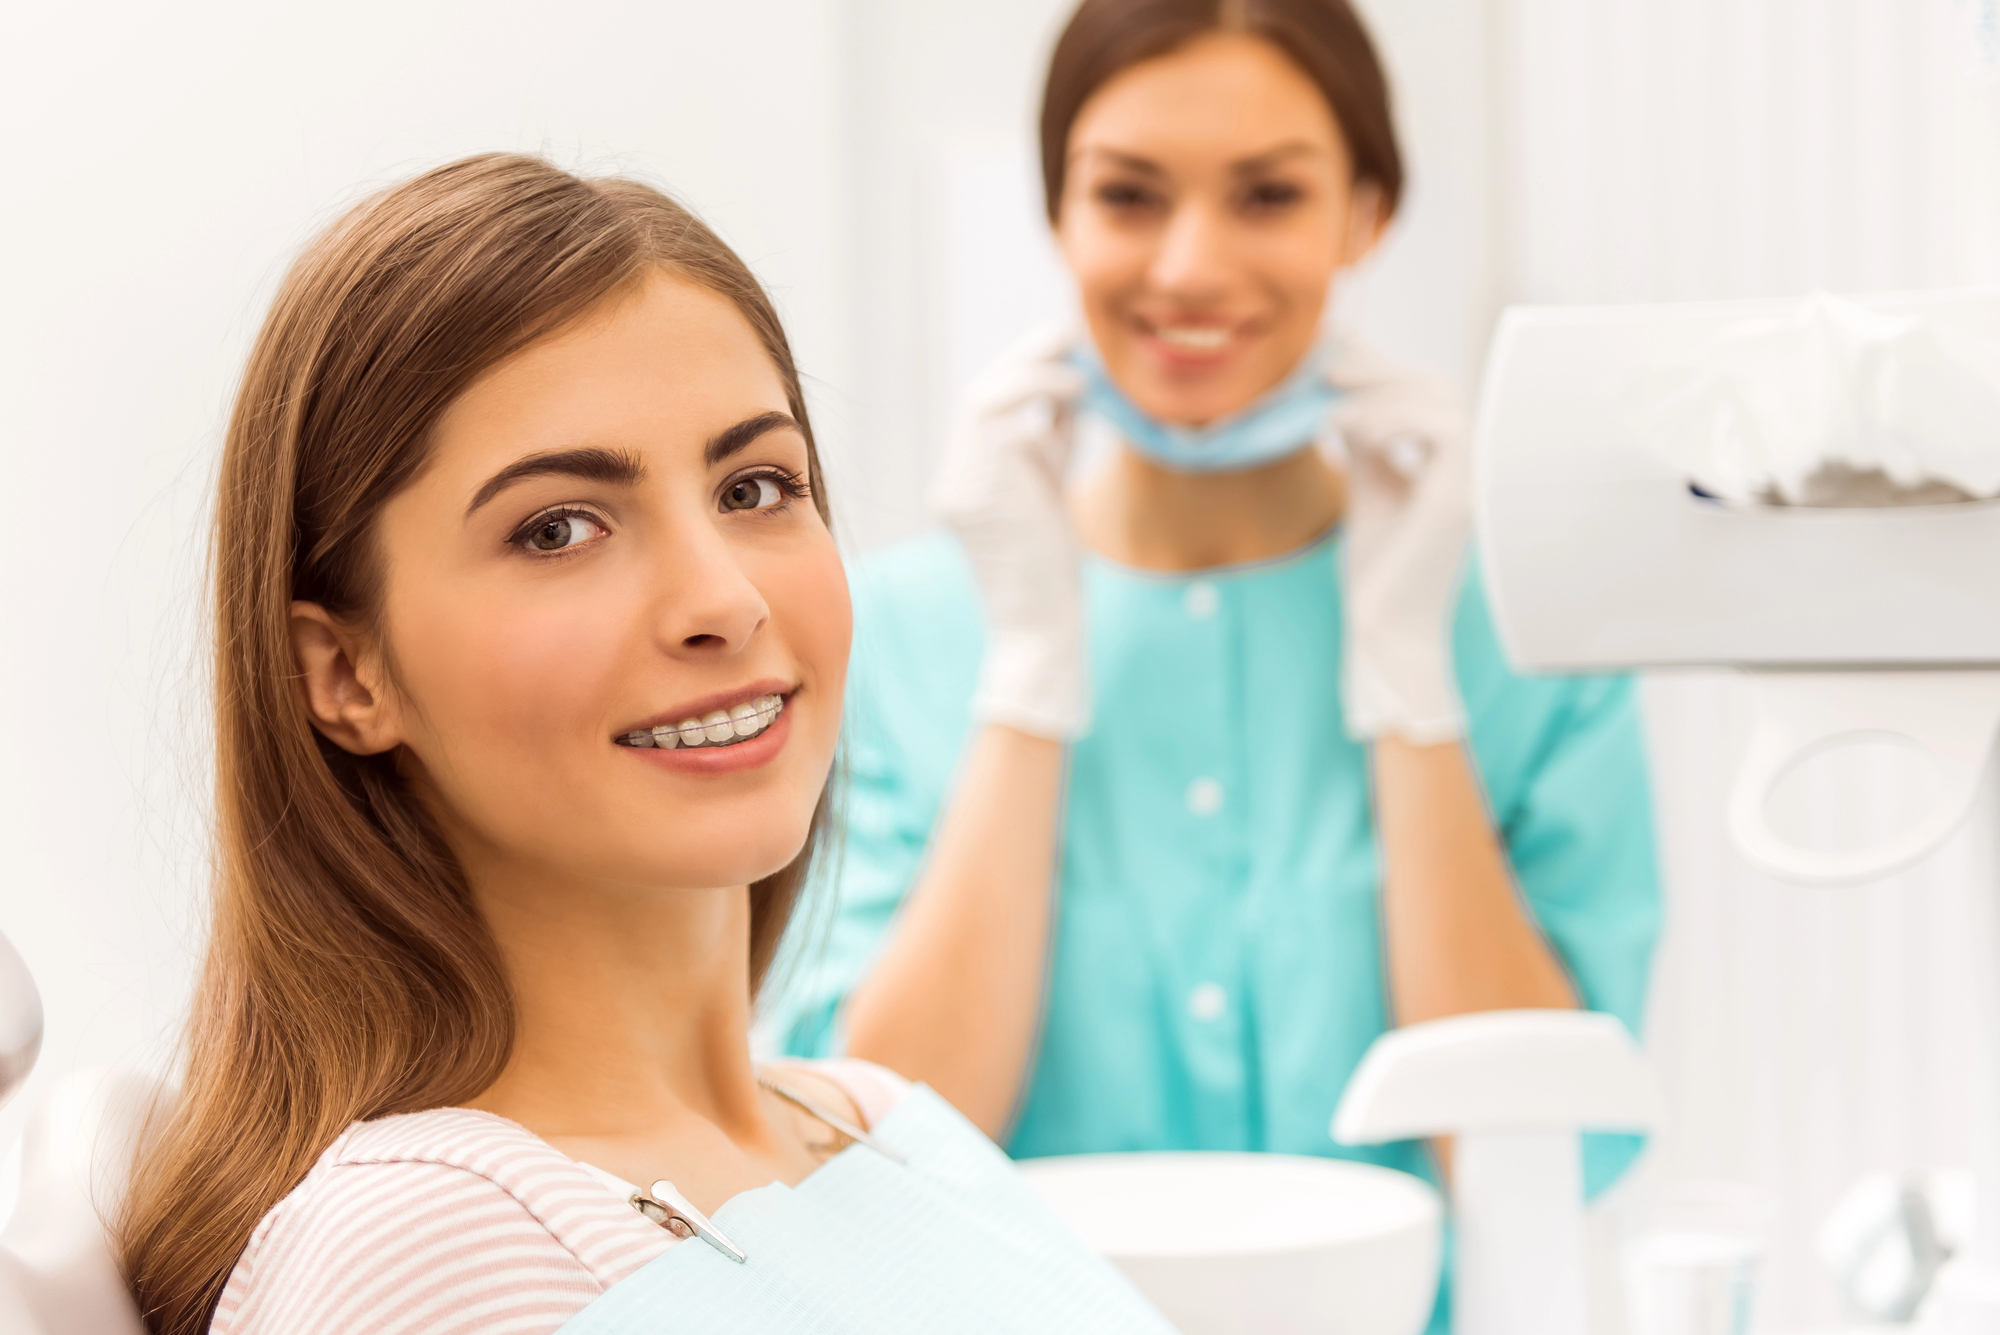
1217,969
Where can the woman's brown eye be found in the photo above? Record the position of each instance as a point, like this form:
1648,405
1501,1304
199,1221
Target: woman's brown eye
558,532
750,493
552,536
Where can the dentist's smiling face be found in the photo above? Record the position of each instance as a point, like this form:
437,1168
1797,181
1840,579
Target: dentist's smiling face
1208,203
613,534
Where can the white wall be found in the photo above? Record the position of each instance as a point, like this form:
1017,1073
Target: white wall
163,163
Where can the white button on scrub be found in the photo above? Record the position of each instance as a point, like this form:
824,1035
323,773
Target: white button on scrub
1207,1001
1204,797
1201,601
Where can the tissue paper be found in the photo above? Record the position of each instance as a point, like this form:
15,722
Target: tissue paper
1832,405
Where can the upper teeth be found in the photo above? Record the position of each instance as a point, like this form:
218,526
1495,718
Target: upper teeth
719,727
1195,336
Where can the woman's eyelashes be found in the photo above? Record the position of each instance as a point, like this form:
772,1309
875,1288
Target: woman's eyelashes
558,531
770,489
1128,197
1267,197
564,529
1257,198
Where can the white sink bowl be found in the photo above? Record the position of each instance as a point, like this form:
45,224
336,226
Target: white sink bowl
1257,1244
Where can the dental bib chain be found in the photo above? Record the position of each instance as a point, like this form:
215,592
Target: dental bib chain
721,727
664,1205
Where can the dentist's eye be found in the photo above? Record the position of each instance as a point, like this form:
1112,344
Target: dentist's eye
1125,197
760,491
1271,196
558,531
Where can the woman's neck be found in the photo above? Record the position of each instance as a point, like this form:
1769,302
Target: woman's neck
1138,513
632,1009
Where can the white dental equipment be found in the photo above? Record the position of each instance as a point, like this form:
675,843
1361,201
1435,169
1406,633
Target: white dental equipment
1513,1089
20,1022
58,1272
1891,1234
1256,1244
1638,482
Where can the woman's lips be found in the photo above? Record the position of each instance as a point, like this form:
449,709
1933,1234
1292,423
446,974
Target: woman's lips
1187,345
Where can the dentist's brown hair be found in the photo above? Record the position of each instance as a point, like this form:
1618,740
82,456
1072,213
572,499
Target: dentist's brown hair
348,974
1324,38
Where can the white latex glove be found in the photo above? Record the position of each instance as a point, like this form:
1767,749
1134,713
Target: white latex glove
1000,489
1409,518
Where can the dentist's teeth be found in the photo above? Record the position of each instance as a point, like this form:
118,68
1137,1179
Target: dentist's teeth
747,718
1198,337
717,726
665,738
640,739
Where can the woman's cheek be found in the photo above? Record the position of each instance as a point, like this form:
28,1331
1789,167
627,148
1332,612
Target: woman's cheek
504,666
809,591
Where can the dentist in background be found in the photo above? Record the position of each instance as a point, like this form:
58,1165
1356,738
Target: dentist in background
1177,781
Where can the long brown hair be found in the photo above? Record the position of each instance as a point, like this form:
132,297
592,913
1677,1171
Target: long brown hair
349,975
1324,38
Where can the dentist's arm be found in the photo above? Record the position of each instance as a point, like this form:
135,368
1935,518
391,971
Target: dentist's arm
955,998
1457,935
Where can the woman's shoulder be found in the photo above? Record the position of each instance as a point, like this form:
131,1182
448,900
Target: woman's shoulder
858,1090
437,1222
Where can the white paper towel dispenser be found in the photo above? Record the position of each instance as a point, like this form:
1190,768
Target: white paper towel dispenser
1871,616
1599,553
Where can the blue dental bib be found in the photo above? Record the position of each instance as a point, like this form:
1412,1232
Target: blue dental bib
951,1241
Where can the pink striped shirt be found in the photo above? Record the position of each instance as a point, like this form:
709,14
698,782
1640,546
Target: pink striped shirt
451,1222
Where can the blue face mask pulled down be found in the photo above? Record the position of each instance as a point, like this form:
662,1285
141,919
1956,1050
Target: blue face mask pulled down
1288,419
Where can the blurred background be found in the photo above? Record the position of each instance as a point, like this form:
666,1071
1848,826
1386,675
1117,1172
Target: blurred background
872,160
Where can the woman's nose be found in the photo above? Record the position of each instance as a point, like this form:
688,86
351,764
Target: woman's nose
710,605
1192,261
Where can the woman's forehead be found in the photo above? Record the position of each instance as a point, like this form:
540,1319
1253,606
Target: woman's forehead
1229,95
661,367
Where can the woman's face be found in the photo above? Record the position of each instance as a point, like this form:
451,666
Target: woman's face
613,534
1208,204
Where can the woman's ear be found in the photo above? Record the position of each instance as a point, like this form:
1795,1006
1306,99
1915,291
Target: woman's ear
347,695
1367,220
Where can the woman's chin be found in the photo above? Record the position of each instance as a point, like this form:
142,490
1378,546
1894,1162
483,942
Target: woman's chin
750,857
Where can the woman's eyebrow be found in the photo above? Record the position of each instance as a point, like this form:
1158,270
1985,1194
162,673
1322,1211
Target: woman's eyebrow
617,467
1131,162
731,439
1270,157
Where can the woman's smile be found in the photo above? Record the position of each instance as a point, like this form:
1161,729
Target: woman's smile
723,734
1186,345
